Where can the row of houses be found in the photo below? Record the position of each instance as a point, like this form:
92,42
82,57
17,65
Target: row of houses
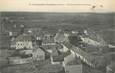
26,56
24,45
57,56
29,41
58,53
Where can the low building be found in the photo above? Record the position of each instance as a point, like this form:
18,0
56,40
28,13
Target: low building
72,64
56,58
38,54
69,57
74,69
23,41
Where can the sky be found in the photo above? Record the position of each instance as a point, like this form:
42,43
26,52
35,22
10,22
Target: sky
58,5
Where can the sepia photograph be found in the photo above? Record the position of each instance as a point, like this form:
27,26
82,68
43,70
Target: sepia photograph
52,42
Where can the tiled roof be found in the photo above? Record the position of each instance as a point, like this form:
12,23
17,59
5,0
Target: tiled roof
59,37
24,37
77,50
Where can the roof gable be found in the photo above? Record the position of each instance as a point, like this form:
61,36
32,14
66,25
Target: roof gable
24,37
